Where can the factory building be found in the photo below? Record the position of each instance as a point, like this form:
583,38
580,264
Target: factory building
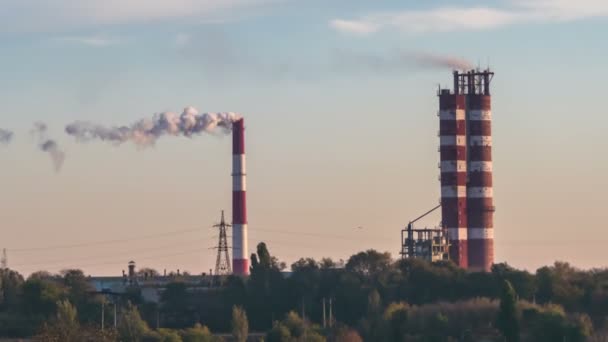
467,208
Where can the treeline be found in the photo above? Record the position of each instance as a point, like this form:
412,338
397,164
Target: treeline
371,297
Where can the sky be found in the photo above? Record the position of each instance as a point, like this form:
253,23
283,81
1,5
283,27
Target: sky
340,104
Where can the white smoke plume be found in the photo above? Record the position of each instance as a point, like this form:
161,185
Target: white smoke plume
397,61
145,132
424,59
5,136
48,145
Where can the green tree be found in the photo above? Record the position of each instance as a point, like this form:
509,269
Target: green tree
395,317
40,297
278,333
131,326
198,333
10,289
64,326
168,335
508,320
176,305
369,263
267,290
240,325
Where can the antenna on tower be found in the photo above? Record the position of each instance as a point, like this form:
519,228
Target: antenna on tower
4,260
222,264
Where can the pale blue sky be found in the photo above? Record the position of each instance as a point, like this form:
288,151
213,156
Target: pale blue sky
341,129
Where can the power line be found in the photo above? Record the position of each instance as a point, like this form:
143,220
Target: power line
104,242
198,250
323,235
129,253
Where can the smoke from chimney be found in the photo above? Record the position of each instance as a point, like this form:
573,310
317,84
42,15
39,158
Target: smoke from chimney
424,59
48,145
145,132
397,61
5,136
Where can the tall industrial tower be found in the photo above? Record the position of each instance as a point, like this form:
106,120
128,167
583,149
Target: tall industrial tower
222,264
240,261
465,117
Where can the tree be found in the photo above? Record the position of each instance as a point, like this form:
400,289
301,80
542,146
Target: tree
147,272
64,327
168,335
40,297
293,328
198,333
508,320
349,336
176,304
78,286
10,289
131,327
278,333
267,289
369,263
240,325
395,317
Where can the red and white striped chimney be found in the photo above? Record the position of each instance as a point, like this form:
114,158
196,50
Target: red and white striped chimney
479,189
453,167
240,260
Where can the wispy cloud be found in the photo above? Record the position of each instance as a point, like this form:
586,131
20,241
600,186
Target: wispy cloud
94,41
59,15
447,19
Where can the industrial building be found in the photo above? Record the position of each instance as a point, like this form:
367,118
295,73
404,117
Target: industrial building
150,286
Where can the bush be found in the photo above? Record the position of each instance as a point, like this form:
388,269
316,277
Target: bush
198,333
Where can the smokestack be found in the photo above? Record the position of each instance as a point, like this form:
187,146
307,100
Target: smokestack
466,169
453,168
240,261
480,202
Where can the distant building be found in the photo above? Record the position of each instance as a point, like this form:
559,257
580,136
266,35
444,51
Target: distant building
150,286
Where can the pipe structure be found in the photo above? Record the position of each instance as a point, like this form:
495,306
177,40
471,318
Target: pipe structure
453,168
240,260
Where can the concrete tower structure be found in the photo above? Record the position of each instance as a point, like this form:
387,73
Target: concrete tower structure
479,187
453,166
240,260
466,169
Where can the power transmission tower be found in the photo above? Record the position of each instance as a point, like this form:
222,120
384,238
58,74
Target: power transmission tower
222,265
4,260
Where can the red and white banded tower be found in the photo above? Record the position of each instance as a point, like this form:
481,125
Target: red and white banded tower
466,169
453,167
479,188
240,261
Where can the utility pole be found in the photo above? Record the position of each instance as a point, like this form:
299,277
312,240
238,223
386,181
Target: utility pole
331,315
304,320
324,321
114,315
222,264
102,313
